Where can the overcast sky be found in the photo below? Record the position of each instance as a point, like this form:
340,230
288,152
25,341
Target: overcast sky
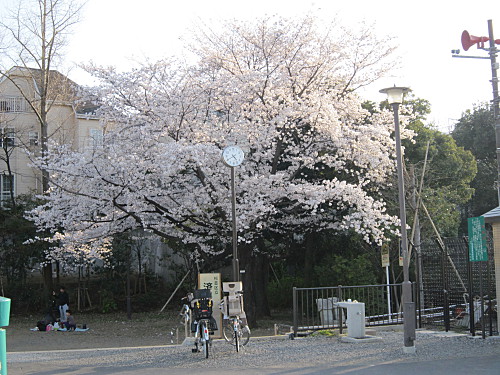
114,32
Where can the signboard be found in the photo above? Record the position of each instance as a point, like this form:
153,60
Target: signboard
478,251
212,281
384,253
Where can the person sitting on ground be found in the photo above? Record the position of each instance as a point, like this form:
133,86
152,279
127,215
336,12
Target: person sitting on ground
70,321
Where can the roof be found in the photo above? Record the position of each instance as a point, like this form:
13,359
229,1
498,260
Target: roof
492,216
61,89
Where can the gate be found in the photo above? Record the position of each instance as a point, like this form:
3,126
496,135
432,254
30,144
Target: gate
449,281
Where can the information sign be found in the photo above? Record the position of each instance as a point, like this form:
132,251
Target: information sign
478,251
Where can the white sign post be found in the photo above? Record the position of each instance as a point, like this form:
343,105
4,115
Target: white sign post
385,263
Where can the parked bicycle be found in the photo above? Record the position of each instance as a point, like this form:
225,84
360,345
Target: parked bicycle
203,324
235,331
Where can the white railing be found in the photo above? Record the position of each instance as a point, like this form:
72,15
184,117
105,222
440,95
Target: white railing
13,104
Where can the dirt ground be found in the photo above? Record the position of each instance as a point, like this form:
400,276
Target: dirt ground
107,331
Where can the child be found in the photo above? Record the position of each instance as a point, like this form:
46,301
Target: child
70,321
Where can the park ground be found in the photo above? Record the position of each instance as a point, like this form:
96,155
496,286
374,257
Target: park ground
112,330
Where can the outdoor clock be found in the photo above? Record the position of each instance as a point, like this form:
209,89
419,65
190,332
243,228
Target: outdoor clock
232,156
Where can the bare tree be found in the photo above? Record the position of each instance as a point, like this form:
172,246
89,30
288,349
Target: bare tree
33,36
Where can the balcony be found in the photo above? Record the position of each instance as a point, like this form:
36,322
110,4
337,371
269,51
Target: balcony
13,104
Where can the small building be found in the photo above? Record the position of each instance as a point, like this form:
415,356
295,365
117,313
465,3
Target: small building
493,217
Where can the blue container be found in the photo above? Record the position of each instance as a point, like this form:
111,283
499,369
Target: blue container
4,322
4,311
3,352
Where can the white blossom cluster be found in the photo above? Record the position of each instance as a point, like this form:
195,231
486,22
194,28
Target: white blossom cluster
281,90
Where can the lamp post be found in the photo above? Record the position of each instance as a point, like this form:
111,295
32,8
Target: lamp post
395,98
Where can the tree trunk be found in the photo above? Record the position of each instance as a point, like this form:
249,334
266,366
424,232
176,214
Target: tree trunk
255,280
47,279
309,258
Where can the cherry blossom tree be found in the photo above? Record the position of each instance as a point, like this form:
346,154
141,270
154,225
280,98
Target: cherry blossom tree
284,91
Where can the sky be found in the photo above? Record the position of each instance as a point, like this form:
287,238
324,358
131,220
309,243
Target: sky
118,32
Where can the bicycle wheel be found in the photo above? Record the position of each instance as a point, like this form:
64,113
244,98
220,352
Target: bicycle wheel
244,335
205,348
206,338
228,332
236,333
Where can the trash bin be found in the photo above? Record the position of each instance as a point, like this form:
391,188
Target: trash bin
4,322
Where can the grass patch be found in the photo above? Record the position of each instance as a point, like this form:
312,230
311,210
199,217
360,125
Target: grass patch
325,332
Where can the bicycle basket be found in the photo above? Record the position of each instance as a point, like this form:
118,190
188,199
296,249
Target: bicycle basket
202,293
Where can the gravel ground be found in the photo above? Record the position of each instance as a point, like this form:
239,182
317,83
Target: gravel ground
278,351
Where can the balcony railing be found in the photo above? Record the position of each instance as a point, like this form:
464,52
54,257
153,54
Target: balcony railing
13,104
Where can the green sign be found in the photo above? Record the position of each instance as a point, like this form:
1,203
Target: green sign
477,239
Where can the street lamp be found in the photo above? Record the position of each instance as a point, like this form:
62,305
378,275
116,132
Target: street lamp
395,98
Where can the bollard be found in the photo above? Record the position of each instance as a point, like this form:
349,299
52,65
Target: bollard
4,322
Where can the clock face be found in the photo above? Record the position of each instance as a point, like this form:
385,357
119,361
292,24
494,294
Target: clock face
232,156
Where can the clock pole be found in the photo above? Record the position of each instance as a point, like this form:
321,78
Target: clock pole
232,156
236,265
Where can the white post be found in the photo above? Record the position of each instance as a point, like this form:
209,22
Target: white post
388,292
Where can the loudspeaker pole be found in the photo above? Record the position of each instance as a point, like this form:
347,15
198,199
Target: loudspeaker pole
467,42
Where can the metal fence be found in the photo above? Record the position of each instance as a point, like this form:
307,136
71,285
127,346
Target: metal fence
448,282
314,308
442,295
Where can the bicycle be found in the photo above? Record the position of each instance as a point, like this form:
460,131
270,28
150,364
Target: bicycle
202,337
234,331
203,324
185,313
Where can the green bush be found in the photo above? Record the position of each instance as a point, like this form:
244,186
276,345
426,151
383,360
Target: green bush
280,292
108,303
340,270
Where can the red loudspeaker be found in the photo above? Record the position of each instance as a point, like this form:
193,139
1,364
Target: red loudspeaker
469,40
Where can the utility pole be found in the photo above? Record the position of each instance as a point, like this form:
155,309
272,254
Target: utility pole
496,112
467,42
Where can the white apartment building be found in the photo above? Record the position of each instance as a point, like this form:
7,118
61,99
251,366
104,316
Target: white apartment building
69,122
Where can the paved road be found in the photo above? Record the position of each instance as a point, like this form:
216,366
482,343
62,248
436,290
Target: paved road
489,365
437,354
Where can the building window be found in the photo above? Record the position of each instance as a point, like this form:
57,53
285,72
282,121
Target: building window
6,186
33,138
7,137
96,137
